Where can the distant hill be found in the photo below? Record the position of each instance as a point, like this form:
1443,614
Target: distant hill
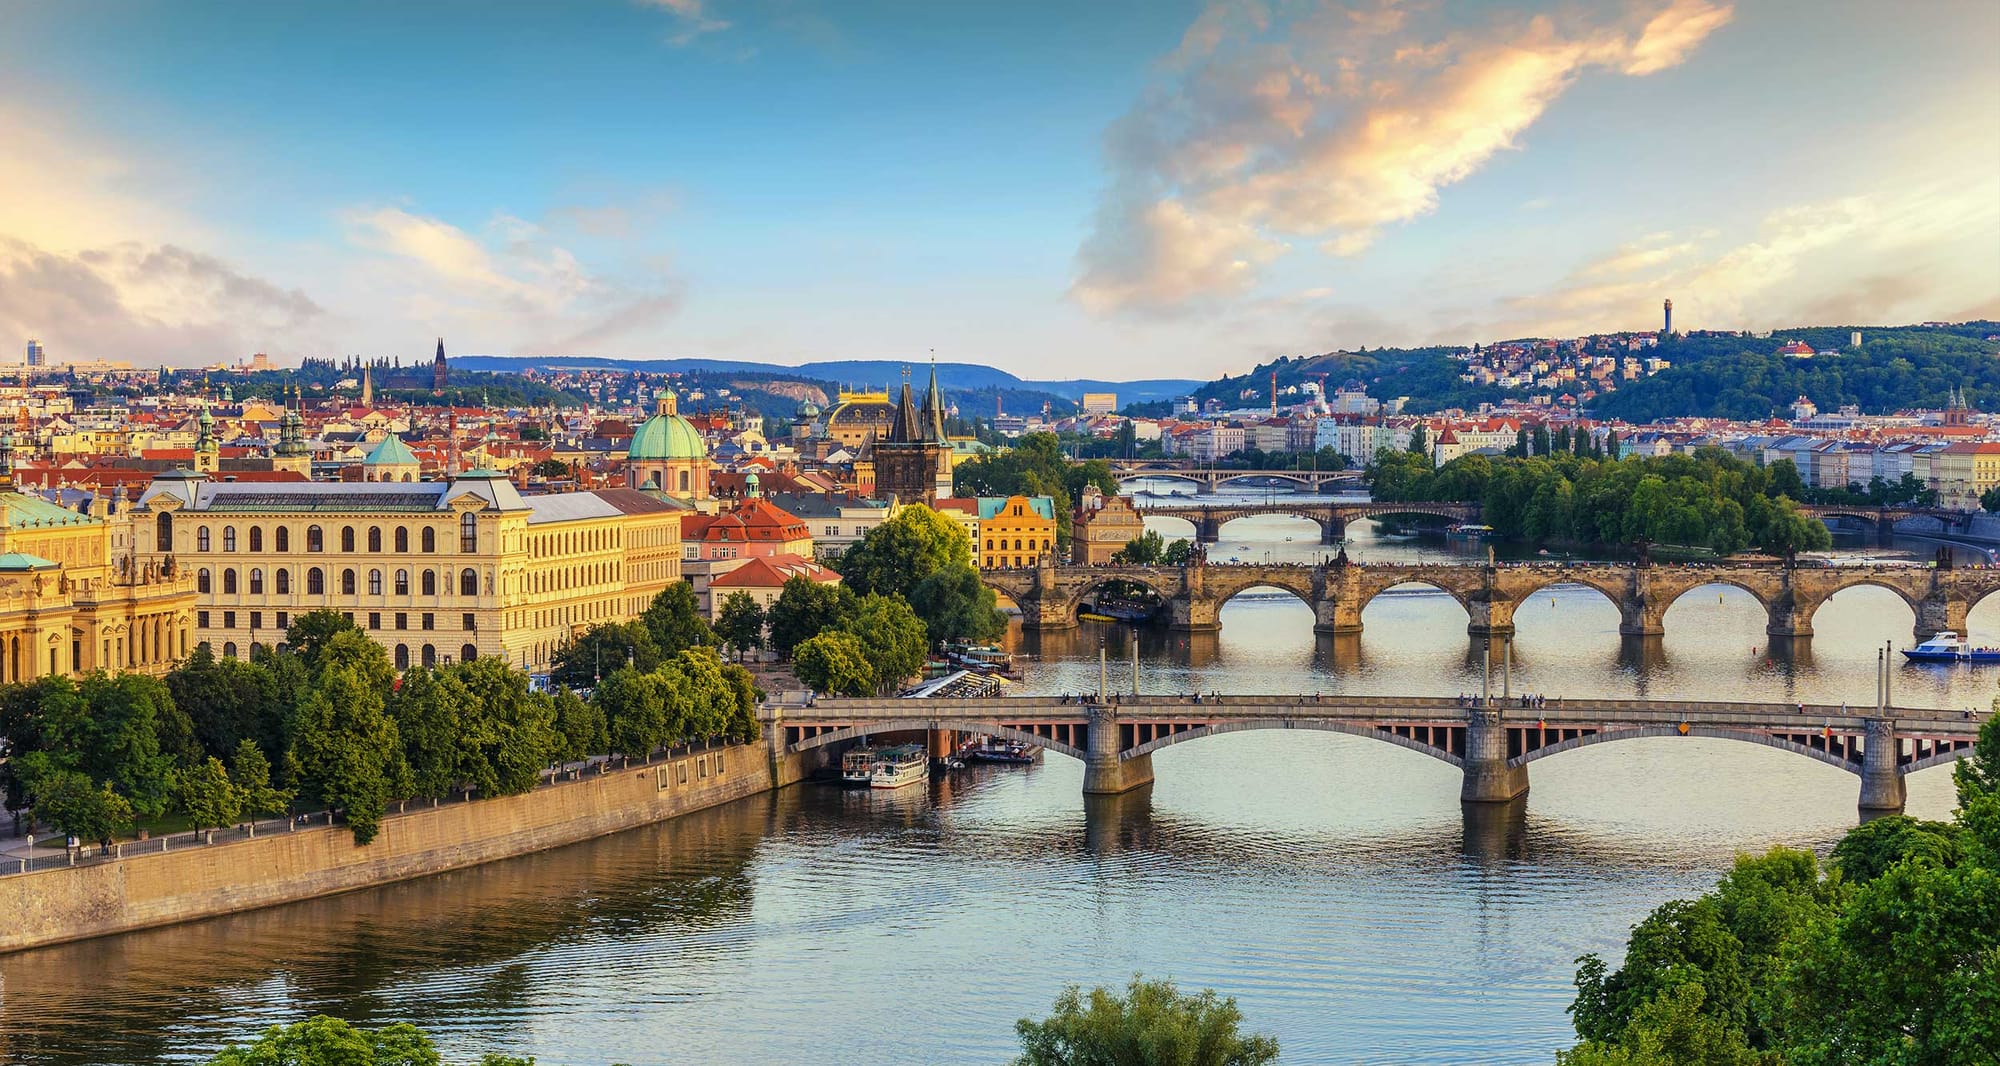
879,373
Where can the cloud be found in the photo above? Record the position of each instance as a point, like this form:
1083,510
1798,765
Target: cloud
1327,123
691,20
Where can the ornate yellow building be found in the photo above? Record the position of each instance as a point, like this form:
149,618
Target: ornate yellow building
434,570
67,607
1015,532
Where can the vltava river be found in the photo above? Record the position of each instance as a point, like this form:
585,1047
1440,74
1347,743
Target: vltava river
1332,884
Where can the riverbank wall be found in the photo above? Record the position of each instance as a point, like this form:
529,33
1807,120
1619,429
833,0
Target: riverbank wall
98,897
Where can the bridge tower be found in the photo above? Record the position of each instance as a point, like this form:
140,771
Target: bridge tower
1488,778
1881,785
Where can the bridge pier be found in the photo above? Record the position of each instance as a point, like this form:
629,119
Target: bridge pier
1331,615
1194,614
1637,618
1491,617
1205,487
1488,778
1207,530
1332,531
1046,612
1788,618
1104,773
1938,612
1881,784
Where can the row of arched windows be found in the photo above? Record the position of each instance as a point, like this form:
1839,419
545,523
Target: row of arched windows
584,540
468,582
468,537
466,653
572,576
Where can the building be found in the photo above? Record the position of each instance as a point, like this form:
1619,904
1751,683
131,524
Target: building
1100,403
667,454
36,356
913,463
390,460
858,419
764,579
433,570
1016,531
838,520
1101,528
440,372
752,527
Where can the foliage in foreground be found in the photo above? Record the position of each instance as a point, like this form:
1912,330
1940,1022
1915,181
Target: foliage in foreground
1152,1023
1890,957
326,1041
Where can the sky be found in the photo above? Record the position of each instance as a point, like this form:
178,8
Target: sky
1113,189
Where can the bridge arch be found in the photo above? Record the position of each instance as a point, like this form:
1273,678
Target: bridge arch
1942,758
1538,583
1300,588
1319,725
1369,596
904,725
1706,731
1811,607
1074,594
1720,577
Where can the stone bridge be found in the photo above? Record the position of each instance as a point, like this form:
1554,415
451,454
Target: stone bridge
1884,519
1115,737
1193,596
1208,519
1206,480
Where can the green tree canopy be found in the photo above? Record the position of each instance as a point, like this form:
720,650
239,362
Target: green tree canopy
602,648
675,620
955,605
1146,549
740,623
346,747
806,608
892,639
896,556
834,662
205,792
1153,1022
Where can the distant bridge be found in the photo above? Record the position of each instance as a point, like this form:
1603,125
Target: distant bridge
1115,737
1193,596
1207,479
1208,519
1884,519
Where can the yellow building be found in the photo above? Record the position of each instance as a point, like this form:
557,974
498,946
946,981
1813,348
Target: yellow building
858,418
1015,532
68,607
1101,528
434,570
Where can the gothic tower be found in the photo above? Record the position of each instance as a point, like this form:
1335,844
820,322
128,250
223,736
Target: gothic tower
914,462
439,372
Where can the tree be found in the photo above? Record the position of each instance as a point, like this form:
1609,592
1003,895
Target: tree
834,662
325,1041
894,557
228,700
345,745
955,605
1989,501
120,742
70,802
432,709
1419,441
510,729
675,621
551,468
207,795
740,623
602,648
634,704
251,771
1178,553
1142,550
310,632
892,639
580,725
806,608
1152,1023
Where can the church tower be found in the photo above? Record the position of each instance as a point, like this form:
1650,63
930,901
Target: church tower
439,372
914,462
207,450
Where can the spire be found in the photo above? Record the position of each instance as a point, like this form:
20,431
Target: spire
440,355
934,406
907,427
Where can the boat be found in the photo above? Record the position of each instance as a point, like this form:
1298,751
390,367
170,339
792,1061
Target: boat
1949,647
1092,616
1118,611
980,658
857,767
1469,529
904,764
1010,752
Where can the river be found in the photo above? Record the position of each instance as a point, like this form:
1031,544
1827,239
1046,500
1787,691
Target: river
1332,884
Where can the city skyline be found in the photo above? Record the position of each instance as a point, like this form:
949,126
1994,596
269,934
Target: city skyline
1120,192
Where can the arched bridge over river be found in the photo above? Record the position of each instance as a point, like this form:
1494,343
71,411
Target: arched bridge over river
1332,518
1493,744
1193,596
1207,479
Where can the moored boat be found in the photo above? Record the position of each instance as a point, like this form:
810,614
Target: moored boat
1011,752
904,764
1948,647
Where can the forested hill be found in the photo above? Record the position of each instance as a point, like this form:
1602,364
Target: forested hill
1428,376
1744,377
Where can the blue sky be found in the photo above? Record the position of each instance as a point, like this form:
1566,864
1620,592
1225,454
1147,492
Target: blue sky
1112,189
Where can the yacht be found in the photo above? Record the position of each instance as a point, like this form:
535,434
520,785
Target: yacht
1949,647
905,764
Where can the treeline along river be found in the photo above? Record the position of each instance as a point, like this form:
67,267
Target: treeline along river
1332,884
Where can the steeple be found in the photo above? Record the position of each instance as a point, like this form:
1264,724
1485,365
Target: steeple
907,428
934,406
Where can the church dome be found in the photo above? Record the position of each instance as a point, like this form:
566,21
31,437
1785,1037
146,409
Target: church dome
809,410
667,436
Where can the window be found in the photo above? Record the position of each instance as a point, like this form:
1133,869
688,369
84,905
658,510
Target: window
402,582
402,539
347,539
684,481
430,582
429,539
229,619
201,619
315,582
467,653
229,650
256,582
284,580
468,582
402,656
229,581
402,620
428,620
347,582
256,538
374,582
201,539
256,621
374,538
471,622
229,538
374,619
430,654
284,620
201,581
284,539
315,539
164,529
468,533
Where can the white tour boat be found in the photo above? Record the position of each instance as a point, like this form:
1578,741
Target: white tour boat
905,764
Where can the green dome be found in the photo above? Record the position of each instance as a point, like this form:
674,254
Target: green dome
667,436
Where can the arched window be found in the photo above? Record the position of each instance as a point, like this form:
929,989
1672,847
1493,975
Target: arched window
374,582
347,539
229,538
315,582
402,539
201,581
430,655
315,539
467,653
468,533
402,656
228,580
165,530
284,539
429,539
374,538
284,579
684,481
468,582
201,539
430,583
256,581
229,650
256,538
402,582
347,582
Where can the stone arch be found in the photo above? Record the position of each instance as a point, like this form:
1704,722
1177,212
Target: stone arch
1303,482
1524,592
1319,725
1368,596
1073,596
1301,587
1942,758
1706,731
855,732
1718,578
1808,607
